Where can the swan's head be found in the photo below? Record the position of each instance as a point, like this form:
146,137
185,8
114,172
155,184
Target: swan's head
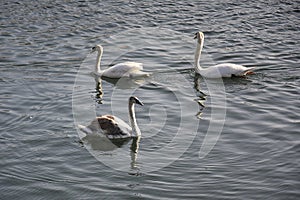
199,36
98,48
133,99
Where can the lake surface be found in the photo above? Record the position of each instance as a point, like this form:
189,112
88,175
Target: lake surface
235,138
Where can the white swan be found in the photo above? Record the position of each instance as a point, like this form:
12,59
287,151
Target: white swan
113,127
125,69
220,70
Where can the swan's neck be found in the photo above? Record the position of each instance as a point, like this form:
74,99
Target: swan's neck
135,129
97,68
198,68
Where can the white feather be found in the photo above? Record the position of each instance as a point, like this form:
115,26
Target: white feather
220,70
125,69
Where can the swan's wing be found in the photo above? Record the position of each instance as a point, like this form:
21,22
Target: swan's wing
239,70
136,69
85,129
125,128
114,127
122,69
217,71
137,73
92,128
228,70
133,65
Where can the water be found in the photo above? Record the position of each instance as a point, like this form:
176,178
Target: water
242,145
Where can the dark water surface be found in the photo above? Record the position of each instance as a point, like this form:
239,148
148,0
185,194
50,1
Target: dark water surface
244,144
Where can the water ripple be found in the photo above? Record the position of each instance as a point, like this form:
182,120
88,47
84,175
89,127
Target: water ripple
44,44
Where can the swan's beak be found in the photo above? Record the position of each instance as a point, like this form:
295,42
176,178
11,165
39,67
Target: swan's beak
195,37
134,99
139,102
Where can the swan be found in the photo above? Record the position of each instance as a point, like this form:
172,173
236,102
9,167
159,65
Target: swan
125,69
220,70
113,127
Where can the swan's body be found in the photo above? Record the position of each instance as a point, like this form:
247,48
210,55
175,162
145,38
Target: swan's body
113,127
125,69
220,70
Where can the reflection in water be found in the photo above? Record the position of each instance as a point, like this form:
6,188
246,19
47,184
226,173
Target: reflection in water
100,143
125,82
121,83
201,96
99,92
134,151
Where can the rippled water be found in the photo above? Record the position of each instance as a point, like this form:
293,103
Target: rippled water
243,144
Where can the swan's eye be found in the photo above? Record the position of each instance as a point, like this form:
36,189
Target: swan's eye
93,48
195,36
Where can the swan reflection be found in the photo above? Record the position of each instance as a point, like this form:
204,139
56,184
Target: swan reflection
99,91
121,83
134,151
100,143
201,96
126,82
104,144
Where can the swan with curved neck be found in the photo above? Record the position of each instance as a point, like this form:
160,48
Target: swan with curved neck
220,70
125,69
113,127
